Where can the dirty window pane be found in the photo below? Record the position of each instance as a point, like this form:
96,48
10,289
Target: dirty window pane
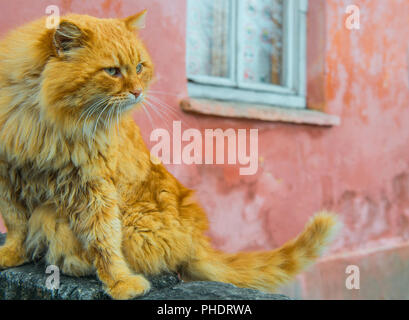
208,38
262,50
259,34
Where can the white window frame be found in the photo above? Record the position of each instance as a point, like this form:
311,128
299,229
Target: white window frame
291,94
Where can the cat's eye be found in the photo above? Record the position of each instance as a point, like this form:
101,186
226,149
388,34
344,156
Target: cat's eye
113,72
139,68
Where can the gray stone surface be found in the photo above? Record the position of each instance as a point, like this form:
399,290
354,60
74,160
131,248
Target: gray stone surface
206,290
28,282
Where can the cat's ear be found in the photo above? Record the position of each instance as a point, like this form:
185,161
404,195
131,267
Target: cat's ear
137,21
67,36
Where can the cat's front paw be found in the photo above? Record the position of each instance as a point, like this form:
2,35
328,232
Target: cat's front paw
128,288
11,257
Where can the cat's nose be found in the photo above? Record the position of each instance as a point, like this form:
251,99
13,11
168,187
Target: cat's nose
136,93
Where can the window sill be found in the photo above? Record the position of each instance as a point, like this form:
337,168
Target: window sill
259,112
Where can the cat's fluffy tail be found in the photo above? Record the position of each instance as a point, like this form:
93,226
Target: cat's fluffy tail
265,271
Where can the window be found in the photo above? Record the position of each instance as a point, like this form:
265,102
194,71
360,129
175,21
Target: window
247,50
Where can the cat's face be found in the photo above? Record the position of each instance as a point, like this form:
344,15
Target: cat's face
99,70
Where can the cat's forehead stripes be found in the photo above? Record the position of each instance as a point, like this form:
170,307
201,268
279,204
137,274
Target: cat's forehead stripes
115,59
119,43
124,54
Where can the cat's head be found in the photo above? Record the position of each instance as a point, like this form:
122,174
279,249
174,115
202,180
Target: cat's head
98,70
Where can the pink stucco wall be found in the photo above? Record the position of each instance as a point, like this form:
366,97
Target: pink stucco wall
359,169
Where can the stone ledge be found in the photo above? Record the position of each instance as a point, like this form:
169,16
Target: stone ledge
259,112
27,282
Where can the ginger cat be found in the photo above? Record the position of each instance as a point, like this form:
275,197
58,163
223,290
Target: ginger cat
80,190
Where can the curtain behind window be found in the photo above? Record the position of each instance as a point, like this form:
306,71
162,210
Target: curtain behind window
208,38
259,35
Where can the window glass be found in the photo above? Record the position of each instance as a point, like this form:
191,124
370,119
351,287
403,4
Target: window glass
209,38
262,43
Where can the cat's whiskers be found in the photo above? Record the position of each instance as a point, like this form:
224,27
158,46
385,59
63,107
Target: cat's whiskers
157,101
112,117
115,115
99,117
145,109
110,113
122,107
120,113
158,111
163,93
162,106
117,118
162,115
108,109
91,111
87,110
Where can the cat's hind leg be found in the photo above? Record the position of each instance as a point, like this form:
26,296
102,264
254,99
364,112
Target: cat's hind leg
154,241
12,253
50,236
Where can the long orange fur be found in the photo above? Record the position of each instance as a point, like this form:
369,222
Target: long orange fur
77,184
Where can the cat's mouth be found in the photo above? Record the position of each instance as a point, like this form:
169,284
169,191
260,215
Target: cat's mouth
107,110
128,103
131,101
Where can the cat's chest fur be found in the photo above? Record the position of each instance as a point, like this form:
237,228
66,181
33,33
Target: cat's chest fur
29,186
52,168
